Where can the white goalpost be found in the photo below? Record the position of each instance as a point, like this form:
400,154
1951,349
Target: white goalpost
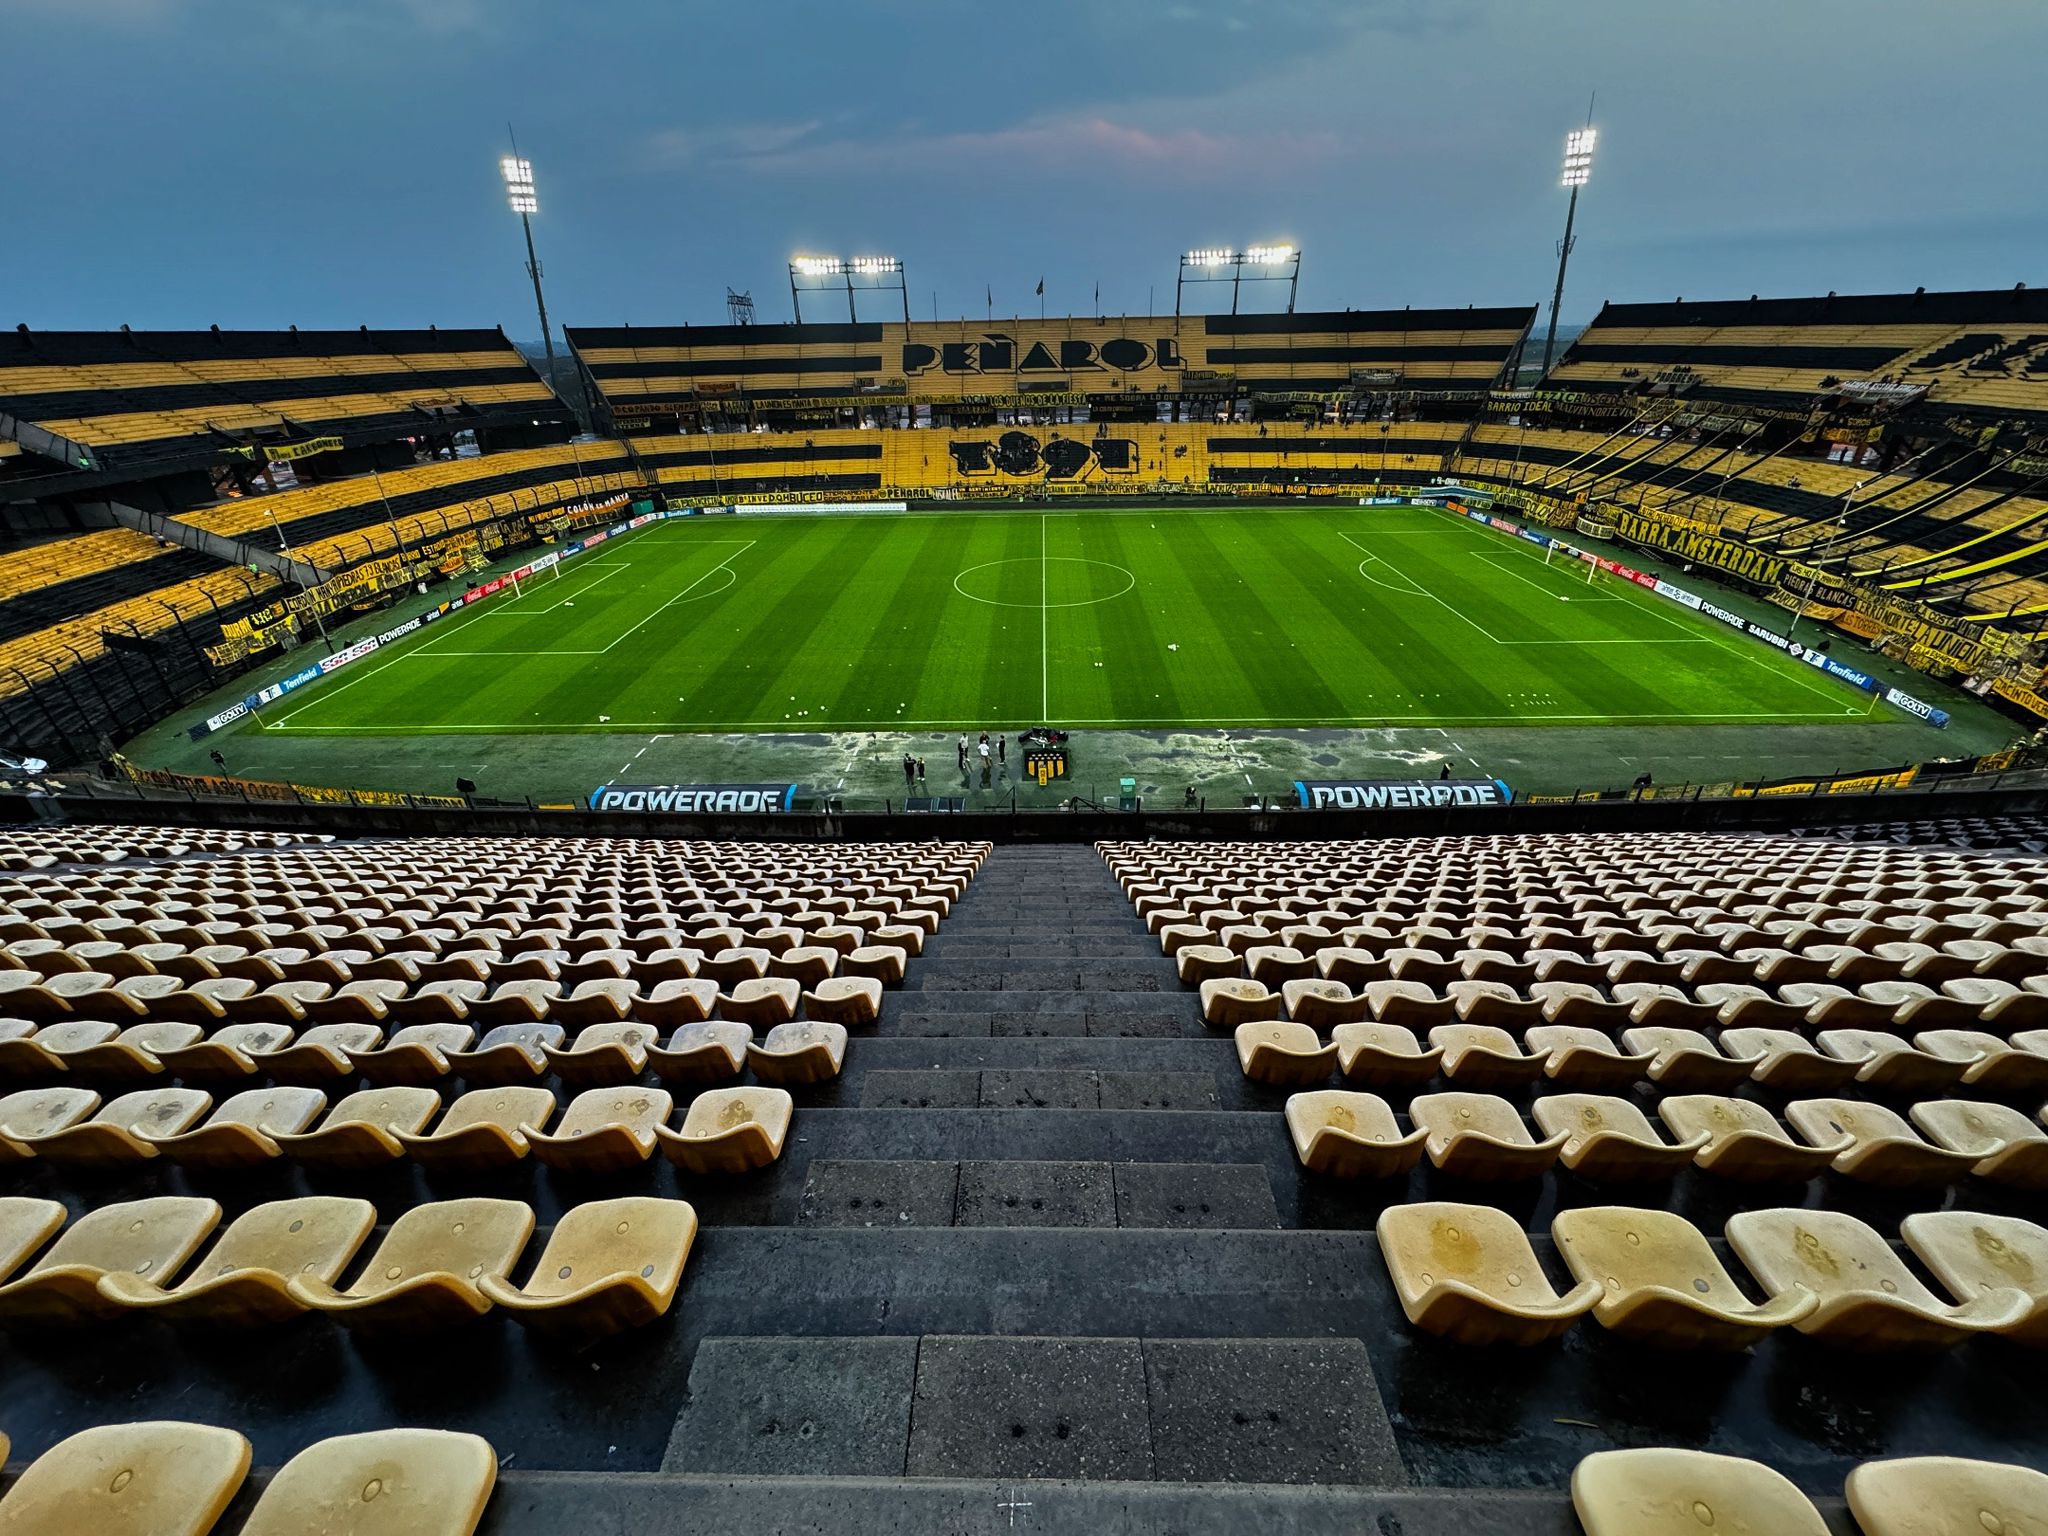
1550,551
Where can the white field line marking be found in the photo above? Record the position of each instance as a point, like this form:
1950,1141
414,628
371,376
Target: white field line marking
640,754
1044,660
1291,722
320,694
728,560
1490,557
553,651
588,586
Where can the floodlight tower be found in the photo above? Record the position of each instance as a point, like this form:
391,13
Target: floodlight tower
1272,263
519,192
1578,170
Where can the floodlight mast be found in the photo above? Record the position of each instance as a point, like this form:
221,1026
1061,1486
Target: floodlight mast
1204,262
522,198
847,269
1578,170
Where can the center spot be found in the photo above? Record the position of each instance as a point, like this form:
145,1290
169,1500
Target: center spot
1057,581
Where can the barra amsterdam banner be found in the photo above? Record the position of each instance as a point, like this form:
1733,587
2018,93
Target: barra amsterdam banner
1400,794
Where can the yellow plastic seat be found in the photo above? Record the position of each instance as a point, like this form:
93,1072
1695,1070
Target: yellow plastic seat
1990,1065
743,963
388,1482
1228,1001
1885,1063
424,1275
1384,1056
151,1238
33,1113
1283,1054
1468,1273
225,1057
1658,1492
242,1131
361,1130
1579,1056
1277,964
1686,1061
242,1278
1789,1063
1609,1138
1410,1003
46,1052
1321,1004
761,1002
1480,1136
1482,1058
885,963
484,1129
154,1478
121,1133
321,1056
1490,1000
602,1054
852,1002
131,1057
604,1130
704,1055
1660,1282
729,1130
2009,1147
1350,1135
1937,1495
1745,1140
608,1266
1975,1255
1868,1298
793,1055
804,964
416,1055
677,1002
25,1225
1885,1149
507,1054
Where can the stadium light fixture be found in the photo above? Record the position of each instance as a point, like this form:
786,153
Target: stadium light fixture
1205,262
519,189
520,194
1578,170
867,269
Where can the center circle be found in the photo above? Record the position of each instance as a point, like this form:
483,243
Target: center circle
1055,581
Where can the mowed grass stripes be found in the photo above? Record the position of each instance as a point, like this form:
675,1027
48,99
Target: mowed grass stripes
1143,619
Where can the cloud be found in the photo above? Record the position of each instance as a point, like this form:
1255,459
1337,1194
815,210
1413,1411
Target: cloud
1071,143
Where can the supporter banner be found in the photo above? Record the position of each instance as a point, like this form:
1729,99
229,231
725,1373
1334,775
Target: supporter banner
695,799
1700,548
1400,794
281,453
2020,694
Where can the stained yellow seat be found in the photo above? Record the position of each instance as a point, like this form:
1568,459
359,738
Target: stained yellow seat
1658,1492
1940,1495
425,1273
602,1054
226,1056
1350,1135
25,1225
45,1053
1745,1141
1384,1056
1321,1004
37,1112
1467,1272
608,1265
1868,1298
2010,1148
1609,1138
388,1482
242,1132
604,1130
761,1002
1283,1054
1480,1136
510,1053
242,1278
1580,1056
729,1130
853,1002
151,1238
1788,1064
155,1478
131,1057
484,1129
416,1055
1228,1001
1885,1149
1686,1061
1659,1280
361,1130
120,1133
1482,1058
795,1054
1886,1063
678,1001
320,1056
705,1054
1975,1255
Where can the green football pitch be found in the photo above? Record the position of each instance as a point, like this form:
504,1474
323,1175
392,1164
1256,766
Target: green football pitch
1142,619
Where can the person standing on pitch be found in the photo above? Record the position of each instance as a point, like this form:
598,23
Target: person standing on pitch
909,771
984,760
963,755
1003,754
920,773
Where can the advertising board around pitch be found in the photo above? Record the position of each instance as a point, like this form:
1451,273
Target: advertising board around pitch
1401,794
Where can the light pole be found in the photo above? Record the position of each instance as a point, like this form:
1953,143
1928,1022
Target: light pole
1578,170
1274,263
284,550
524,200
1839,532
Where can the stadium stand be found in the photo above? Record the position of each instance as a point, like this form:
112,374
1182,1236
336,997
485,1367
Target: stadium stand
1031,1234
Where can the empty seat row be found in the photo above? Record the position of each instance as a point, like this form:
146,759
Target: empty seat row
165,1478
1479,1136
603,1130
608,1265
1485,1057
1469,1273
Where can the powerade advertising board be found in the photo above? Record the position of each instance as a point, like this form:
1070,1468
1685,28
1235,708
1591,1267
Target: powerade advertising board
1400,794
696,799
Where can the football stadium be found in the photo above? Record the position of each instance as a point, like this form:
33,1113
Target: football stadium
1233,918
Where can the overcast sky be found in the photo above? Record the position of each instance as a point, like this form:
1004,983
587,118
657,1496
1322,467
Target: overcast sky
258,163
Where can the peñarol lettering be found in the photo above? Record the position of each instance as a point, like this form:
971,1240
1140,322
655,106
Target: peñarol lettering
996,352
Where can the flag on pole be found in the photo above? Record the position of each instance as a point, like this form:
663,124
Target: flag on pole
1041,287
